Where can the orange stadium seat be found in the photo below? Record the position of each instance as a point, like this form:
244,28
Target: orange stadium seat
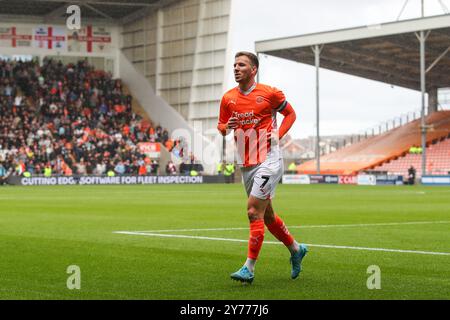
375,152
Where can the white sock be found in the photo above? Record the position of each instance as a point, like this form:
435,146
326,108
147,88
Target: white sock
250,264
294,247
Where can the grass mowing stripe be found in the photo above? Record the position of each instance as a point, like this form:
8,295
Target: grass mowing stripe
44,229
305,226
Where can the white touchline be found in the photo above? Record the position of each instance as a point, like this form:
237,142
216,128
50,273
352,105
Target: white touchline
306,226
274,242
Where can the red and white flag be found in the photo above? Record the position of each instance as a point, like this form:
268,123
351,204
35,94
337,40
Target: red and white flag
15,37
52,38
90,39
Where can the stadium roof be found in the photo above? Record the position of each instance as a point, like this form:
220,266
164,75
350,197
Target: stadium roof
386,52
109,11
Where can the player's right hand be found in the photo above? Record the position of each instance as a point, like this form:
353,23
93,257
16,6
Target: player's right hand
232,123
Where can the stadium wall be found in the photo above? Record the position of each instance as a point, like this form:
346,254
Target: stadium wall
119,180
361,179
160,112
181,50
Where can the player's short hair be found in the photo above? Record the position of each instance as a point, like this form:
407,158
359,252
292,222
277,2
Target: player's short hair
253,58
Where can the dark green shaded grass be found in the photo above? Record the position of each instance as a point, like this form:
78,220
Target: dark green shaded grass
43,230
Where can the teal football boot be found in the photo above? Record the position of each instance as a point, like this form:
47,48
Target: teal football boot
296,260
243,275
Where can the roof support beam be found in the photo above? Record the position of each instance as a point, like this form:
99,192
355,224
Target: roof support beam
437,59
14,18
422,38
402,43
104,15
57,13
317,50
385,29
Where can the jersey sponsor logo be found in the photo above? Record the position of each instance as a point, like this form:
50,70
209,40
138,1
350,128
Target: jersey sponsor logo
246,118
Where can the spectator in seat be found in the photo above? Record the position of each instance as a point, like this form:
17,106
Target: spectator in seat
155,167
56,112
411,175
292,168
142,169
81,167
185,169
2,174
5,172
169,144
119,168
171,169
100,168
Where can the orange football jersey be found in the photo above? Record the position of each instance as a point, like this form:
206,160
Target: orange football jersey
256,111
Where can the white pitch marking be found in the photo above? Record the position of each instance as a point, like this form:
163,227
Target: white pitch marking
273,242
184,236
306,226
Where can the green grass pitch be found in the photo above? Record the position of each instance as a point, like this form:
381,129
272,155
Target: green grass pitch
43,230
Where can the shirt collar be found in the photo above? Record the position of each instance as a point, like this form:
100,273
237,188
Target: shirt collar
248,91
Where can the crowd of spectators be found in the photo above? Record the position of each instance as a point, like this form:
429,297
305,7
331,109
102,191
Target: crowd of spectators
70,119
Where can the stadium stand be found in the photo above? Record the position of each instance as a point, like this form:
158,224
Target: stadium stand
380,149
73,118
438,161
